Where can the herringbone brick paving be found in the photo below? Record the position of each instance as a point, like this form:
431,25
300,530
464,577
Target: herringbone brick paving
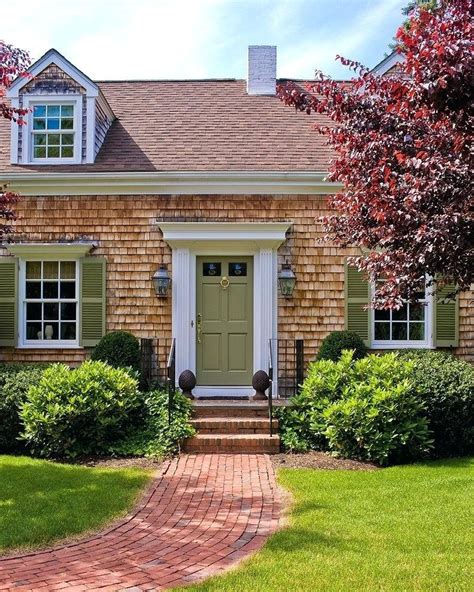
202,514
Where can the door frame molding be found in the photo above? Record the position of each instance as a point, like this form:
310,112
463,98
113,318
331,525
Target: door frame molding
188,240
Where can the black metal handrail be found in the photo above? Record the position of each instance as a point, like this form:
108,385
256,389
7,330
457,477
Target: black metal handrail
171,375
270,388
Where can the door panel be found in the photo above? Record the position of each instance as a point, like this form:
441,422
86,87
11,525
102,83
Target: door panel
224,332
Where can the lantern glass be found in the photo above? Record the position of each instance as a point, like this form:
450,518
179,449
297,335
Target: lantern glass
161,281
287,281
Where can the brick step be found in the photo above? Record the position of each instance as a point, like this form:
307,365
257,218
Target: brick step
234,443
234,425
248,409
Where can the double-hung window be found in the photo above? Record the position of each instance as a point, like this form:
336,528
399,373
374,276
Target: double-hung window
409,326
53,131
49,303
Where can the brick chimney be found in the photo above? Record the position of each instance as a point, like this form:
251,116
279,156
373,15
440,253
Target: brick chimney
261,78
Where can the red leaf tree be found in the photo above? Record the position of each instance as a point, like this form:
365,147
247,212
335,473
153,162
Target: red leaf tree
13,62
402,151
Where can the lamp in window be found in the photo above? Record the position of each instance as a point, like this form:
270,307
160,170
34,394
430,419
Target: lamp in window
286,281
161,281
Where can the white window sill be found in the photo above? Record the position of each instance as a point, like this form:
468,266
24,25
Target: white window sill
50,346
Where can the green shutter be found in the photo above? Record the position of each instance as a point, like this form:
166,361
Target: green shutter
93,305
446,318
357,295
8,301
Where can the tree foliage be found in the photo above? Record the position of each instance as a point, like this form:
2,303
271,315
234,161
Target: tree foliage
402,151
13,63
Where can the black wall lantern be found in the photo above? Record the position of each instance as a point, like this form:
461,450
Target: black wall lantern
287,281
161,281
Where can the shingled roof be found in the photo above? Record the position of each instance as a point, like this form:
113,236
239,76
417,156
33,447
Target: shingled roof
195,125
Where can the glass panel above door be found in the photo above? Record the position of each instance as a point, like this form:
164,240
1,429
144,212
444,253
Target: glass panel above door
211,269
237,269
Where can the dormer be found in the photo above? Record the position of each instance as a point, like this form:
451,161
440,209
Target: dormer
68,116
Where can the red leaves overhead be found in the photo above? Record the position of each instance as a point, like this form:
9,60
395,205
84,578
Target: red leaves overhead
402,152
13,63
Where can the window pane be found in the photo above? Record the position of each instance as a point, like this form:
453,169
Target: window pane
53,110
50,290
417,331
39,124
33,331
33,311
211,269
50,270
68,330
382,315
39,139
238,269
68,311
67,139
417,312
33,270
67,110
53,139
382,331
53,152
68,290
53,124
67,124
67,152
51,331
39,111
51,311
401,314
33,289
68,270
399,331
40,152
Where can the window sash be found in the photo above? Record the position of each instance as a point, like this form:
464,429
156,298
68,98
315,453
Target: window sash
56,323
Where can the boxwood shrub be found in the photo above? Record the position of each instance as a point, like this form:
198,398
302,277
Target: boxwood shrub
119,349
15,382
445,385
72,412
333,345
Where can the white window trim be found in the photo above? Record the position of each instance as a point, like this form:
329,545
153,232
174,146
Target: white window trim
427,343
23,343
29,101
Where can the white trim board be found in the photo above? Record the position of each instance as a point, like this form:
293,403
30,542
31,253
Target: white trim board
171,182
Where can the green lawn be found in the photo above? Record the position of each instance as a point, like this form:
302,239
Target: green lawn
402,528
41,501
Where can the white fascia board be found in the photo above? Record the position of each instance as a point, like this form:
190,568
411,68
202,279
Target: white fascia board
166,183
386,64
45,250
54,57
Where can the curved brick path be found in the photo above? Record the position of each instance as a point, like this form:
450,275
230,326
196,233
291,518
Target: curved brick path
203,513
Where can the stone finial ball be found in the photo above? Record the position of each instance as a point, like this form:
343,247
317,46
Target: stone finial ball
187,381
260,381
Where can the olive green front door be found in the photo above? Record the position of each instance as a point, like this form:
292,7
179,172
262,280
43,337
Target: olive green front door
224,321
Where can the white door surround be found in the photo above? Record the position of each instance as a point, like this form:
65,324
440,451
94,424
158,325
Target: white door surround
189,240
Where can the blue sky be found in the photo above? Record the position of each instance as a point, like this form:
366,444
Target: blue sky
130,39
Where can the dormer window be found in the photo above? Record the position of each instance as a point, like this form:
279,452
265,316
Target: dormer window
53,131
68,116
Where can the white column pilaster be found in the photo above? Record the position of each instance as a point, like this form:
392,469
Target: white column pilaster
181,293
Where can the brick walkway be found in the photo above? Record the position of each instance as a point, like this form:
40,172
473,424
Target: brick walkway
204,513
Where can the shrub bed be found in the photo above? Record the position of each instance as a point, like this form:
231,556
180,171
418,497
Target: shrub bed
119,349
336,342
363,409
73,412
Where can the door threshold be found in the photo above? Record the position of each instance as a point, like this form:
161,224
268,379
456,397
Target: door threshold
223,392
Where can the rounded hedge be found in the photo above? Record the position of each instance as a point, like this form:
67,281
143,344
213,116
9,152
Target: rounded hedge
445,385
119,349
337,341
15,382
71,412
